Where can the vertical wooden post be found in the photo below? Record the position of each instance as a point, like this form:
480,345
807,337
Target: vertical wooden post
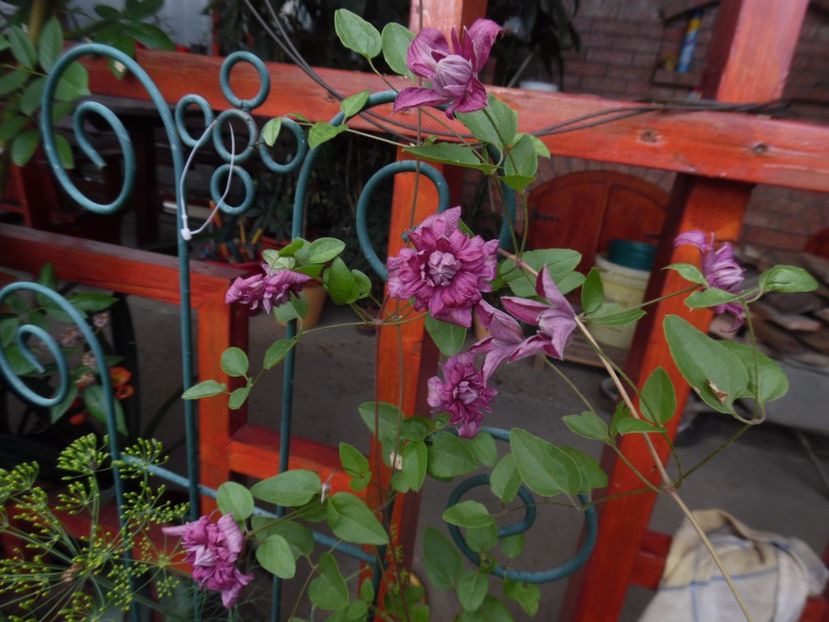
749,58
407,344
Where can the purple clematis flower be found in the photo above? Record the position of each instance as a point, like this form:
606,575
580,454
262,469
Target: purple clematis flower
270,289
506,341
446,271
555,318
213,549
462,393
454,76
719,268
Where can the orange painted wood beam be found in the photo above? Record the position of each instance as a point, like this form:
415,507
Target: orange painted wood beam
737,146
597,593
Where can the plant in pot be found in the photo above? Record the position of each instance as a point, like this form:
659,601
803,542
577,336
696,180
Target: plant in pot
32,38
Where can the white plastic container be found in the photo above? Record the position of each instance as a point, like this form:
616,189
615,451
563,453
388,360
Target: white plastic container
626,287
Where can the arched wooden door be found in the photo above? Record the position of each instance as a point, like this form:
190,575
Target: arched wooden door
586,210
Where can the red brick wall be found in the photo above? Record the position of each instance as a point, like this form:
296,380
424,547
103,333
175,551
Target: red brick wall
625,46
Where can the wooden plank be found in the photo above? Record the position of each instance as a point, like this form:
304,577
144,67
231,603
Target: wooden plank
715,144
127,270
597,592
254,451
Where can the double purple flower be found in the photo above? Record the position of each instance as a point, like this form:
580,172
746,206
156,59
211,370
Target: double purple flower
446,271
462,393
719,268
271,288
213,549
454,74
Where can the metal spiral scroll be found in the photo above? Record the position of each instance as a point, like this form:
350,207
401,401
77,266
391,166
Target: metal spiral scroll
542,576
22,335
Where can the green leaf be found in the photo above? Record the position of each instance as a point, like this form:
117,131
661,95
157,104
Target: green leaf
13,80
709,298
367,591
482,539
589,425
328,590
480,123
512,546
21,46
658,400
789,279
396,39
324,250
356,465
47,278
689,272
493,610
354,103
150,36
30,100
611,314
357,34
64,150
388,418
527,595
540,148
415,459
592,475
298,536
235,362
277,351
544,468
206,388
772,384
483,447
468,514
235,499
275,556
294,309
449,338
505,479
238,397
291,488
716,374
629,424
351,520
560,263
23,147
472,589
107,12
8,329
449,456
50,44
270,131
137,10
592,292
73,84
58,410
341,283
12,126
451,153
442,560
95,401
521,164
91,302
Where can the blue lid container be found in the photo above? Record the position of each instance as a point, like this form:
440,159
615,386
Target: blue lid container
631,254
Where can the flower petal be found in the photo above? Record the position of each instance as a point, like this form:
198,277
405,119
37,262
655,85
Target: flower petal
474,98
233,535
421,55
415,96
695,238
527,311
546,288
482,33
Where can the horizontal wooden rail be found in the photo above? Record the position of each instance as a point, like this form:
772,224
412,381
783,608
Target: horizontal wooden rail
735,146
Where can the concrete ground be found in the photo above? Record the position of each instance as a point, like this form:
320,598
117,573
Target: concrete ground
765,479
